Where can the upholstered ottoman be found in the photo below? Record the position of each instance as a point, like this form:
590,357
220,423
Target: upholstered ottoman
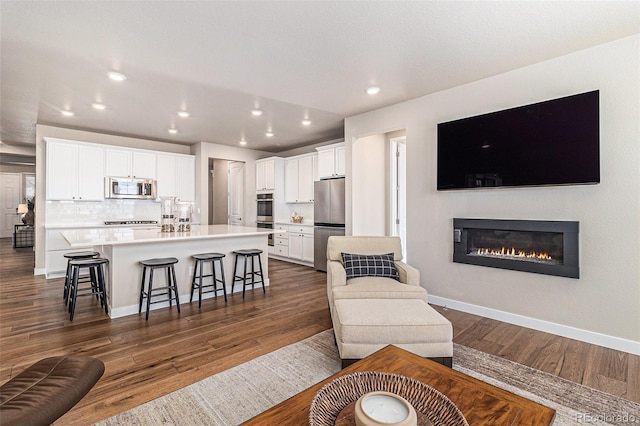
363,326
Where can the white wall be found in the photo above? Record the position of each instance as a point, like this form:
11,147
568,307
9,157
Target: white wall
369,176
605,301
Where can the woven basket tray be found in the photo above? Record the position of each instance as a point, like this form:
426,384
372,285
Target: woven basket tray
345,390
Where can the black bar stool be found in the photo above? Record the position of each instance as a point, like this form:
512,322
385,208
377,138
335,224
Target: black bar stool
201,260
96,282
67,279
172,286
249,255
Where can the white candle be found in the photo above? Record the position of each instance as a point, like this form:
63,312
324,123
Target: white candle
385,408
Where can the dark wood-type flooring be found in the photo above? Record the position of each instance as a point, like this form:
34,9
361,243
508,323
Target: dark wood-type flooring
145,360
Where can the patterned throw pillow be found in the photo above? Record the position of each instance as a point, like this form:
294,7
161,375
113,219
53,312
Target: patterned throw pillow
373,265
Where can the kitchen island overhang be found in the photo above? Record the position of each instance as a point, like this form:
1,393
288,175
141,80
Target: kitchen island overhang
125,247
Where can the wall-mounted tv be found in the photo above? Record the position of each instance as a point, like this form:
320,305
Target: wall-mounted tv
555,142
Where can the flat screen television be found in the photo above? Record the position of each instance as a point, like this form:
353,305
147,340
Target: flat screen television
555,142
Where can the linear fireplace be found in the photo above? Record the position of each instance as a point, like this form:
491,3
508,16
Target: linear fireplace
542,247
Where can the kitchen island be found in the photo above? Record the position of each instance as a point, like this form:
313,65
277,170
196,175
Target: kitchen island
125,247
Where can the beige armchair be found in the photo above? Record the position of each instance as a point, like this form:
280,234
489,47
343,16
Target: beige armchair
370,312
408,286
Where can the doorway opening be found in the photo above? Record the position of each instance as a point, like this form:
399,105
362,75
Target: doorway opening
226,191
398,193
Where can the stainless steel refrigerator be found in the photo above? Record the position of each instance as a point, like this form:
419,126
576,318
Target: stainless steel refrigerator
328,217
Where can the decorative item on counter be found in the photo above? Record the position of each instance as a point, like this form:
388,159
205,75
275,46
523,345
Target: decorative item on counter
295,218
184,216
384,408
168,207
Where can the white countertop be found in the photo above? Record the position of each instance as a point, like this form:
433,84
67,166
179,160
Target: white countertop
127,235
96,225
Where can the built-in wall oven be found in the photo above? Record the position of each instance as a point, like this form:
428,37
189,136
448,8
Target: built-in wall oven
265,207
264,215
266,225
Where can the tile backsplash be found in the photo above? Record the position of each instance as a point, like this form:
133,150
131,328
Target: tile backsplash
304,210
88,212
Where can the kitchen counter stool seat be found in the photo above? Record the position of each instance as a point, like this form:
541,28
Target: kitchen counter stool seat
67,278
248,255
197,281
170,289
96,282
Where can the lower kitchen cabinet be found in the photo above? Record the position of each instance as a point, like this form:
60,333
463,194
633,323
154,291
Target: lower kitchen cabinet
296,245
56,248
281,245
301,247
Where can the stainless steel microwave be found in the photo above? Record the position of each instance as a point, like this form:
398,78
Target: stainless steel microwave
140,189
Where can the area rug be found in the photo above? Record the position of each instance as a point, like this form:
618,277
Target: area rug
237,394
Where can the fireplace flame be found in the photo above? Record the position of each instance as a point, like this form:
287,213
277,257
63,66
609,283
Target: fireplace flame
512,252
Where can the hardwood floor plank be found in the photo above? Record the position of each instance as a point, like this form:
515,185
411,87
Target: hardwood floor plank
549,358
573,362
633,379
147,359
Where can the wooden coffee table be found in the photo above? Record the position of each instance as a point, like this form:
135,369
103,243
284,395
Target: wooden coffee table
481,403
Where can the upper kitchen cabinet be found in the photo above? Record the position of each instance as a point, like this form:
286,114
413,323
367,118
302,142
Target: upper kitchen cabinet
177,178
75,171
266,170
300,172
186,178
331,161
130,163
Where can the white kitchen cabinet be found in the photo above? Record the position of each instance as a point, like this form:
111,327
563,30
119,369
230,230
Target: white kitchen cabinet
265,175
341,168
301,243
291,169
295,246
74,171
166,182
299,176
280,242
177,177
130,163
186,178
331,161
56,247
307,248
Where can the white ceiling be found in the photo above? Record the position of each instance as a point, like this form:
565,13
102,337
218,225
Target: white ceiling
292,59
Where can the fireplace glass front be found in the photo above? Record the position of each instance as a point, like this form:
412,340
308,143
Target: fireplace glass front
523,246
545,247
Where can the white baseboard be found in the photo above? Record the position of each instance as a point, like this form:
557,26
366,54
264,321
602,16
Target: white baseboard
617,343
290,260
133,309
39,271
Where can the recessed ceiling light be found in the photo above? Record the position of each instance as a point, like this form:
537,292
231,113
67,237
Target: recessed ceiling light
68,113
99,106
269,134
242,142
256,112
116,76
173,131
183,114
373,90
306,122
